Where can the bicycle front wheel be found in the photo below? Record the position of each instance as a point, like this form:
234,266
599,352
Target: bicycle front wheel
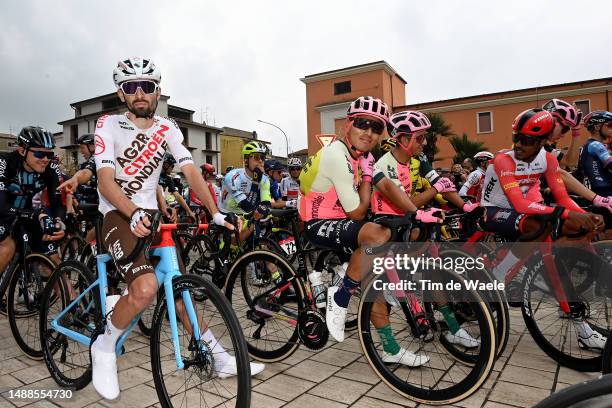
23,301
203,381
442,379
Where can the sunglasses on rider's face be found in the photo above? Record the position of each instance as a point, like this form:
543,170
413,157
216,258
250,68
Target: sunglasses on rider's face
131,87
364,124
258,157
39,154
419,139
525,140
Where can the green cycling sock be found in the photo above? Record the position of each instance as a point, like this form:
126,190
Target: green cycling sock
388,340
450,318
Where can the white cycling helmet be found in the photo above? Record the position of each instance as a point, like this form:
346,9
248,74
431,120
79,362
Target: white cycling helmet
294,162
483,156
135,68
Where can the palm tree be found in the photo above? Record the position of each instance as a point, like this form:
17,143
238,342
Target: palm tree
465,148
439,127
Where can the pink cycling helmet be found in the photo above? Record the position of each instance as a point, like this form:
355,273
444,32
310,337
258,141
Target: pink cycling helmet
366,105
564,111
408,122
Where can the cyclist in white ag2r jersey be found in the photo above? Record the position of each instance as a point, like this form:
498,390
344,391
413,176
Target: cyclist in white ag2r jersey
129,155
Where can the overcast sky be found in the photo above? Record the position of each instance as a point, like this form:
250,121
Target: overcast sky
241,61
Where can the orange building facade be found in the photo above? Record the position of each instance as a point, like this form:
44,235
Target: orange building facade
329,94
486,118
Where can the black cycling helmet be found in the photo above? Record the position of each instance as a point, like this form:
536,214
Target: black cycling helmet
597,117
169,159
273,165
86,139
35,136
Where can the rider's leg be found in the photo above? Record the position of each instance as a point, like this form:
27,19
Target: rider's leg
7,250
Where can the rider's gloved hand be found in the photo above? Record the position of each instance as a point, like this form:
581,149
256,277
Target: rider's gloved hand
469,207
366,164
257,175
139,223
225,220
444,185
604,202
291,203
431,215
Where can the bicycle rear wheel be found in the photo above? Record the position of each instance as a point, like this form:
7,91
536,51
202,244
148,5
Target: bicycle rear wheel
23,301
199,384
67,359
442,380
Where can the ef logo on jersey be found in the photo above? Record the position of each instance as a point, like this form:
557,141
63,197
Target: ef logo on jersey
100,146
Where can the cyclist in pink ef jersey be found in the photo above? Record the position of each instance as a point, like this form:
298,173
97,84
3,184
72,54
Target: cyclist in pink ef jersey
336,186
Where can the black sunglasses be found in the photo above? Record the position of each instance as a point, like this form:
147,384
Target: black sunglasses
364,124
525,140
39,154
131,87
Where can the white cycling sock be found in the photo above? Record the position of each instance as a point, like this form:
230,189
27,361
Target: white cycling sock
218,351
106,342
499,271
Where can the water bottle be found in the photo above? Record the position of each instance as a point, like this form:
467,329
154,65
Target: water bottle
319,289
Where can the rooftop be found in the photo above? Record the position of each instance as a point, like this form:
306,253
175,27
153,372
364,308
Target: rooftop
371,66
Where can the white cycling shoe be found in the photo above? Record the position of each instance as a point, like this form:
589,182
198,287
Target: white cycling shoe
229,369
104,373
462,338
594,341
405,357
335,316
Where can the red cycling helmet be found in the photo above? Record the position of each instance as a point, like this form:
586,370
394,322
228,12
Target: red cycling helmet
208,168
534,122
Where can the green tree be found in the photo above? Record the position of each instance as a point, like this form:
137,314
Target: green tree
465,148
439,127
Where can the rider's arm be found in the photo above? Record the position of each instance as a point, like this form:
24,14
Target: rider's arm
364,192
557,188
182,202
161,200
395,195
505,169
83,176
471,181
570,160
574,186
599,150
354,203
5,169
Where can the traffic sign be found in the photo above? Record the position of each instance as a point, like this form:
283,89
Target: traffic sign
326,139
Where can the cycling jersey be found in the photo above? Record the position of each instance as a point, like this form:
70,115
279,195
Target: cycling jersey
410,178
290,188
473,184
136,155
514,184
419,182
88,192
238,187
194,201
595,163
18,186
329,183
167,183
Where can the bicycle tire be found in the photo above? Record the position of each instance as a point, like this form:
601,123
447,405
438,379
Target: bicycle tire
587,364
606,357
26,335
57,348
587,394
497,302
73,249
214,295
478,372
238,273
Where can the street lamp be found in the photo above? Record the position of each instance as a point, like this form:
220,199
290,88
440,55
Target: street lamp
286,139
